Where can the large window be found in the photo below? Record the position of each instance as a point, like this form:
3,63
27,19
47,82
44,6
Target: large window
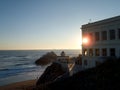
112,51
91,52
104,52
104,35
85,52
119,33
91,36
85,62
97,52
97,36
112,34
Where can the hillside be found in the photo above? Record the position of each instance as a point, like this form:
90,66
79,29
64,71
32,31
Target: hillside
103,77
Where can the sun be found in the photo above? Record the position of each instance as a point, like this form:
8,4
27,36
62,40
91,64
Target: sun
85,40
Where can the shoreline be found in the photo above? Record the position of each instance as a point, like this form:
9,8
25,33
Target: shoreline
24,85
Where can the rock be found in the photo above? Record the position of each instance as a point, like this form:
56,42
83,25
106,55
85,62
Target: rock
103,77
50,74
46,59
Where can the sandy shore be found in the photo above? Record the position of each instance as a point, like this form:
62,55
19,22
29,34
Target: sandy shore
25,85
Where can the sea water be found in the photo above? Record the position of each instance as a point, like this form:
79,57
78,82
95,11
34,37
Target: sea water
19,65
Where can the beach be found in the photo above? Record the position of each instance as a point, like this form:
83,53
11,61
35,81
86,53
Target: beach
24,85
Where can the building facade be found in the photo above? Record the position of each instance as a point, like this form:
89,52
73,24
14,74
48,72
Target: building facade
63,60
101,39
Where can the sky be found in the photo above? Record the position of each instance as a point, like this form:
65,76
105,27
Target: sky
49,24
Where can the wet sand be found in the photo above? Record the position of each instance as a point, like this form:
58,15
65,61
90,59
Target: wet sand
24,85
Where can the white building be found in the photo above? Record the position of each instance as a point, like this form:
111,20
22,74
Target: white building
66,62
63,58
101,39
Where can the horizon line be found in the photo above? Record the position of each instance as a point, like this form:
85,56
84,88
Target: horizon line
37,49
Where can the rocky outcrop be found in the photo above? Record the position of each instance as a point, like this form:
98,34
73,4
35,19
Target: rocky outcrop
50,74
104,77
46,59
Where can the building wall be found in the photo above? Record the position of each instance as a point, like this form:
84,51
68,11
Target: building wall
101,26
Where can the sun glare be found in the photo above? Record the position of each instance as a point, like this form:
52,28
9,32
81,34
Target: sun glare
85,40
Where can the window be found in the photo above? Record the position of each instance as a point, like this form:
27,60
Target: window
112,51
119,33
91,36
59,60
97,52
85,52
90,52
112,34
85,62
104,35
97,36
104,52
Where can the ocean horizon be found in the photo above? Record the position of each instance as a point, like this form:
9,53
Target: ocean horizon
19,65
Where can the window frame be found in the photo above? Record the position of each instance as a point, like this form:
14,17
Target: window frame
104,35
104,51
112,34
112,52
97,36
97,52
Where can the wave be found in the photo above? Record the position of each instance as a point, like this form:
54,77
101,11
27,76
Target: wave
23,57
4,69
4,56
20,64
6,72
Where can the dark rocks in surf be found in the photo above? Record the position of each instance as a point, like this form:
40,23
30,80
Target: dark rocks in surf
46,59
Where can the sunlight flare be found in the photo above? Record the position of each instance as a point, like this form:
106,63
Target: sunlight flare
85,40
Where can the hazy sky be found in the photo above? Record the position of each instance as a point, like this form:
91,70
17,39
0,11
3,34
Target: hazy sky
49,24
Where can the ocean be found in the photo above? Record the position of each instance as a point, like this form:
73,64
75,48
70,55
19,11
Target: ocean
19,65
